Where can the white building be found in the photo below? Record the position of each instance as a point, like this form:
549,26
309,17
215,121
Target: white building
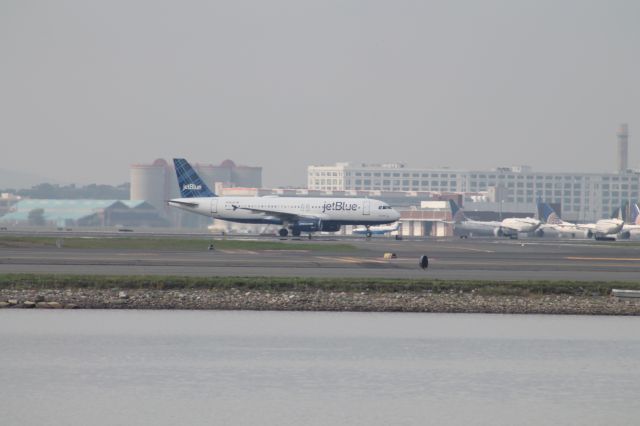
583,196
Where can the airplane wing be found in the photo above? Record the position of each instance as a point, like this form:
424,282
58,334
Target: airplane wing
287,217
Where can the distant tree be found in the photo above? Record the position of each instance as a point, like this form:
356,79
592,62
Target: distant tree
36,217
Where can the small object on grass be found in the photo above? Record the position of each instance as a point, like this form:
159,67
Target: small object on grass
210,247
390,256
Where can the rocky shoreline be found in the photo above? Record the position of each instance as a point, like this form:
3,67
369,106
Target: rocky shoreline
316,300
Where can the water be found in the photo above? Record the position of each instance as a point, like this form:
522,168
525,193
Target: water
269,368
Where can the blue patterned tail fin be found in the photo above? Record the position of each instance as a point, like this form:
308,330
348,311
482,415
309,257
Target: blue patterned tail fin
189,182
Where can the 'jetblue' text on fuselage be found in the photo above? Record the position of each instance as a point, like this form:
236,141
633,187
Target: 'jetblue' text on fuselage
339,206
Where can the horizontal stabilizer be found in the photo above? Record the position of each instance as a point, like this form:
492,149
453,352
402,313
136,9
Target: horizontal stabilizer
182,203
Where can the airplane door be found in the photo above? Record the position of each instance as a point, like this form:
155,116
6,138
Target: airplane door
366,207
214,205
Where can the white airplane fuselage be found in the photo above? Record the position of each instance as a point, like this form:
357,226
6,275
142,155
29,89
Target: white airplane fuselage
509,226
601,228
337,211
377,230
608,226
564,230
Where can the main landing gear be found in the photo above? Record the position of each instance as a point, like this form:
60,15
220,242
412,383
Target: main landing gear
368,234
284,232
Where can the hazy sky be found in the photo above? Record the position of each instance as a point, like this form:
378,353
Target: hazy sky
89,87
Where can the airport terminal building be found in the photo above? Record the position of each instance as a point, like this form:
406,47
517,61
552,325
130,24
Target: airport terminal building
583,196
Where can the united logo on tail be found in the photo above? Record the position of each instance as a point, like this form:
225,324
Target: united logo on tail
547,214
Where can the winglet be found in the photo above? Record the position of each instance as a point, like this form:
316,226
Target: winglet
191,185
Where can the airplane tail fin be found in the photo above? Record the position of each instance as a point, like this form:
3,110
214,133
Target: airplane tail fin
635,214
191,185
547,214
616,213
456,212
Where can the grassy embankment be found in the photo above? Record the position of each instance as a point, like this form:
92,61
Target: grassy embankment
276,284
160,243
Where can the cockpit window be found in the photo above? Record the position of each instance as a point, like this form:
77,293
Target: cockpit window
384,207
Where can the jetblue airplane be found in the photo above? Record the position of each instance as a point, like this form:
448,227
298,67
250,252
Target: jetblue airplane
298,214
509,227
603,229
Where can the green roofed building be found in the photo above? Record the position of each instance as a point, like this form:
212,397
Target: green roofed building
92,213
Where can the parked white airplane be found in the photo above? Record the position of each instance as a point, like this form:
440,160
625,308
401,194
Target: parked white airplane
377,230
554,225
602,229
509,227
298,214
634,227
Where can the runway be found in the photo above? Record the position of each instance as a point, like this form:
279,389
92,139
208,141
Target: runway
482,259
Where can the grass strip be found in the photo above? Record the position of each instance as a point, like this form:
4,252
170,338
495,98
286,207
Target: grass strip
55,281
150,243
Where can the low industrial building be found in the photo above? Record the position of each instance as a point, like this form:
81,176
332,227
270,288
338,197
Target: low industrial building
83,213
7,201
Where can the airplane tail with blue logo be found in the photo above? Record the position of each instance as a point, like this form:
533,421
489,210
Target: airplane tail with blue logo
191,185
547,213
457,214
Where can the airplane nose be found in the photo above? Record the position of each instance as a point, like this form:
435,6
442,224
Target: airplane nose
396,214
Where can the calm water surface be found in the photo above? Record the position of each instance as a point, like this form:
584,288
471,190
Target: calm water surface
271,368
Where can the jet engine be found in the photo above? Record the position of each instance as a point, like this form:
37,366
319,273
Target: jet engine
307,225
330,227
